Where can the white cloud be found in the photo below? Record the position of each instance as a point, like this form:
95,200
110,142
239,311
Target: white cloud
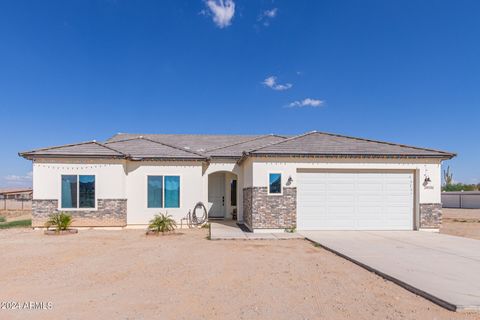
18,180
271,82
308,102
222,11
267,16
271,13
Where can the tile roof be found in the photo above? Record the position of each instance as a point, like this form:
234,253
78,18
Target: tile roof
237,149
203,147
145,148
329,144
194,142
90,148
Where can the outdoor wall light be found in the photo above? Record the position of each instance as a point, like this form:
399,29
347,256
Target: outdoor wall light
426,181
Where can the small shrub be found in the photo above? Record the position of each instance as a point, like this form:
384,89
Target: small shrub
291,230
162,223
2,219
60,220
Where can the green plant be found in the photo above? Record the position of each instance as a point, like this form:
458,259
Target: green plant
447,177
291,229
16,224
60,220
162,223
460,187
2,219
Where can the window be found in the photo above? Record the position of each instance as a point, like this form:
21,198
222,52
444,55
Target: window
172,192
275,183
78,191
155,191
69,191
163,192
233,193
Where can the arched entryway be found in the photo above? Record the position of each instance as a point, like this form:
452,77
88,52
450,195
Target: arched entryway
222,195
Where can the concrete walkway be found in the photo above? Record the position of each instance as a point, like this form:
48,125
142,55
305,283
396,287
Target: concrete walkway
444,269
228,230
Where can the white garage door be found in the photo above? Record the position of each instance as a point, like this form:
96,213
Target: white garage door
354,201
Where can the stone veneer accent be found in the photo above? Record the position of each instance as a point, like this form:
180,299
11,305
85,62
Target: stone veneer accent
109,213
264,211
430,215
247,206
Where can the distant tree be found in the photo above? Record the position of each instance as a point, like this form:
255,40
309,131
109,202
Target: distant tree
447,177
460,187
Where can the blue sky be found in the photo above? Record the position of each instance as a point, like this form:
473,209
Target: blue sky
402,71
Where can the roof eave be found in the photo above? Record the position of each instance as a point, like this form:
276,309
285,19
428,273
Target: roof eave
218,157
30,156
133,158
359,155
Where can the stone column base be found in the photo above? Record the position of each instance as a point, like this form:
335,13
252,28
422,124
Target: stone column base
264,211
430,215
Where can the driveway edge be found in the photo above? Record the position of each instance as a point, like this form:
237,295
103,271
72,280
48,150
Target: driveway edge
405,285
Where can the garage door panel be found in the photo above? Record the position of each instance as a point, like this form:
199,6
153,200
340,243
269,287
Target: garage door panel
355,201
370,187
397,199
370,210
397,187
367,197
340,198
341,187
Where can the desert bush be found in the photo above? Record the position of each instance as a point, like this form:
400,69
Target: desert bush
162,223
60,220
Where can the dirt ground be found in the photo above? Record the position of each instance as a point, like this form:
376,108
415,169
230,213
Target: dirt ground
100,274
461,222
12,215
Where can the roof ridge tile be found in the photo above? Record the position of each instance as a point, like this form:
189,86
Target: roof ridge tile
174,147
286,140
238,143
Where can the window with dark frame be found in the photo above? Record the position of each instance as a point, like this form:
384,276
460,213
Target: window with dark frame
78,191
233,193
275,183
163,192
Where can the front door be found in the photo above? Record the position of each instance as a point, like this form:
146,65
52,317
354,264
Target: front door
216,195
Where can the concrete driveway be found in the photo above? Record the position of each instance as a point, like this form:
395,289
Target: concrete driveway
442,268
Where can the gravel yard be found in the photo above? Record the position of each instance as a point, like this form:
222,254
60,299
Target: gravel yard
126,275
461,222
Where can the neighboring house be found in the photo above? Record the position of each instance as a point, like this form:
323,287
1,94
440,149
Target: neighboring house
16,194
313,181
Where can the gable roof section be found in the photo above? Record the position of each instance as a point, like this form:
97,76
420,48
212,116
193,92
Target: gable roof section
327,144
85,149
236,150
192,142
143,148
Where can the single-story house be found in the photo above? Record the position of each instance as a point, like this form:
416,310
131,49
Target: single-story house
312,181
16,193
